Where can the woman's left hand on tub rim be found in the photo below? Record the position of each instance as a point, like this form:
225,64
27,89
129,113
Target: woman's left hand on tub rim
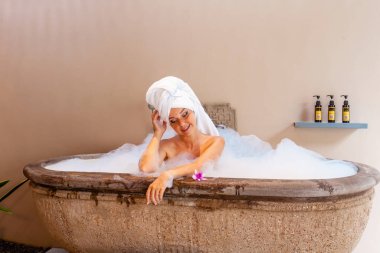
156,190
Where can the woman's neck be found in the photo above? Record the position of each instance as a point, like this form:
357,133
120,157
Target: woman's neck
191,141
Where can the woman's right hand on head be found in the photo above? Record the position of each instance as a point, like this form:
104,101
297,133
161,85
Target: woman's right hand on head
158,127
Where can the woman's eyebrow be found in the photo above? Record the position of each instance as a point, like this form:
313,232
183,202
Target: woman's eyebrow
170,117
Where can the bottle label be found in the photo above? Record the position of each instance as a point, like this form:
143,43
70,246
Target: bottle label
331,115
346,116
318,115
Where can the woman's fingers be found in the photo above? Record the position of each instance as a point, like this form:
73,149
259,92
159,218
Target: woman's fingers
157,125
155,115
148,195
151,195
154,196
155,193
162,193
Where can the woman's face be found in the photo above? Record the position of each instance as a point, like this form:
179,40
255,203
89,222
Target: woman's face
182,120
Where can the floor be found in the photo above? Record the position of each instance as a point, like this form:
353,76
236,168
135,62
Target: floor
11,247
56,250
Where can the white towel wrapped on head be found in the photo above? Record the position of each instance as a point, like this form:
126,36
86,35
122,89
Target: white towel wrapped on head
172,92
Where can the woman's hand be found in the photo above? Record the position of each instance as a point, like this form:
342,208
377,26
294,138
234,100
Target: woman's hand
158,127
156,189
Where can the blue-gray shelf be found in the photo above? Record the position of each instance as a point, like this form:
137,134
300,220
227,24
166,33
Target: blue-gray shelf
330,125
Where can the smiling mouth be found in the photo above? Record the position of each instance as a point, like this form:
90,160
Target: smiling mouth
187,128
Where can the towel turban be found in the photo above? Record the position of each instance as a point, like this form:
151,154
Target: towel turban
172,92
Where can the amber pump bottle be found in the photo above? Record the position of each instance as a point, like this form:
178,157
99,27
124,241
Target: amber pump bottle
345,110
331,112
318,110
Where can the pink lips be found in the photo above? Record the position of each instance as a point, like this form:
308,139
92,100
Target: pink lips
184,130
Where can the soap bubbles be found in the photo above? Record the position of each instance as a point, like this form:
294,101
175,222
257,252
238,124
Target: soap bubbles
243,157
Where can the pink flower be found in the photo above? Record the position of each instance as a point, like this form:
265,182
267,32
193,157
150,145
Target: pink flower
198,176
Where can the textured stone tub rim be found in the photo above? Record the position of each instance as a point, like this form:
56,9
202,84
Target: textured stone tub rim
366,178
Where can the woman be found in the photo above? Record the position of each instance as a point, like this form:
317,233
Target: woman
176,104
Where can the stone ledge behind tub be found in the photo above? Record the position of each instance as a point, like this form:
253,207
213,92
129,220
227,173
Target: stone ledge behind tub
222,114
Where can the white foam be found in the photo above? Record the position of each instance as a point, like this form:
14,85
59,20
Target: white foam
243,157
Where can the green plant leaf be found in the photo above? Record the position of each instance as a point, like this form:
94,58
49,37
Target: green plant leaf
3,183
6,210
12,190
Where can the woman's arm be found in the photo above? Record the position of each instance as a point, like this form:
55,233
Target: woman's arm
211,151
154,154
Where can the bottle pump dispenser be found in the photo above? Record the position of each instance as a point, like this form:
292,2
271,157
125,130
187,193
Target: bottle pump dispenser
318,110
331,112
345,110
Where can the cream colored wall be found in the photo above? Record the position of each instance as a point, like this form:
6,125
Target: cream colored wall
73,76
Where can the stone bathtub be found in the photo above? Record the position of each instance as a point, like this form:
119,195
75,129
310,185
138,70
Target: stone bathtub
105,212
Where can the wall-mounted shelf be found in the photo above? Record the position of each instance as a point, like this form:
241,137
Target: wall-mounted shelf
330,125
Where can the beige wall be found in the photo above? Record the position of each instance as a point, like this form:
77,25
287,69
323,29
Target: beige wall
73,76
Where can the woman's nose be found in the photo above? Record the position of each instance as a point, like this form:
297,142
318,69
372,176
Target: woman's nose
181,123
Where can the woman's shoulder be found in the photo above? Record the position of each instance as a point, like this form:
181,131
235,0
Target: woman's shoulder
207,140
171,142
211,139
170,147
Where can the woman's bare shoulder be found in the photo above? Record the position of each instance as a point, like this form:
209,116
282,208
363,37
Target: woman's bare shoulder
169,140
168,143
218,138
170,147
212,140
